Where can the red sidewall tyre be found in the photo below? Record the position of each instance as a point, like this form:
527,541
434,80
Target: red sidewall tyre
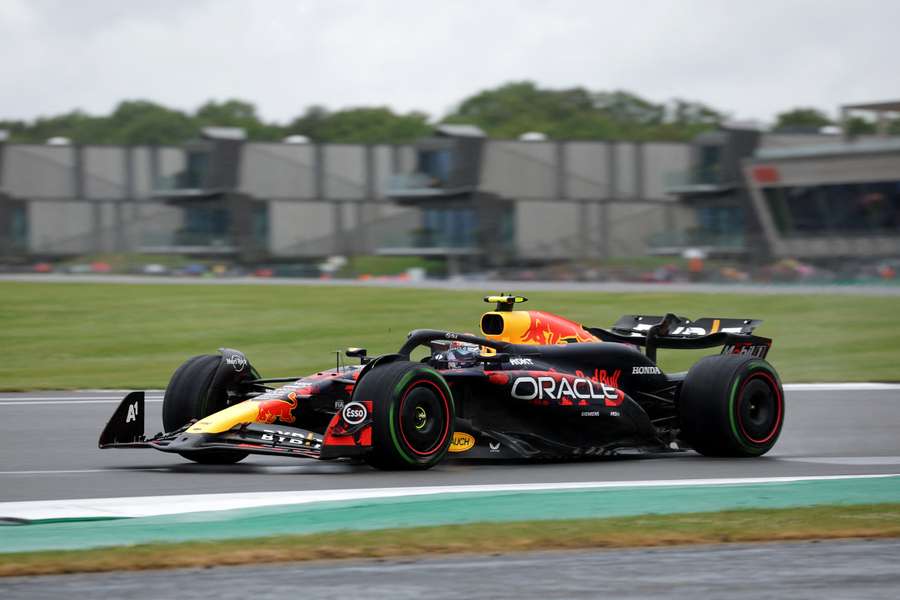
731,405
413,415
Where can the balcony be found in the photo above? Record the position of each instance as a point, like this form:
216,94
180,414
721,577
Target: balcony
424,242
674,243
414,186
696,180
184,242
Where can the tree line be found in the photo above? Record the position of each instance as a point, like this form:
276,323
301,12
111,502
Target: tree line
506,111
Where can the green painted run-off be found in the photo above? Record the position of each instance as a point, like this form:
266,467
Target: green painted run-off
441,510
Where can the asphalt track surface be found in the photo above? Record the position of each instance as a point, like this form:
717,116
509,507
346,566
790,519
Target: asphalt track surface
800,571
48,450
481,284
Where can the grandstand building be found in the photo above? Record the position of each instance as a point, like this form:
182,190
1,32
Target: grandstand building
458,195
811,196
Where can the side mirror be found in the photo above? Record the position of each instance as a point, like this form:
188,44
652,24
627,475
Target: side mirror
359,353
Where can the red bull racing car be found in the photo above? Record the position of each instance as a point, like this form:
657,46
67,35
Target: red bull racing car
533,385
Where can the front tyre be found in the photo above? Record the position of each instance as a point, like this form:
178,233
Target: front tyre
731,405
413,415
191,395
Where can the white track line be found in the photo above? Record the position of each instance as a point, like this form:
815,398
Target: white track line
790,387
38,400
839,387
866,461
54,472
147,506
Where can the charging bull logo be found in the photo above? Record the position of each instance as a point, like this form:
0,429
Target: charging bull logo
277,410
547,329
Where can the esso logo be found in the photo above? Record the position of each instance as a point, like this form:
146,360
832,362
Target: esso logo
354,413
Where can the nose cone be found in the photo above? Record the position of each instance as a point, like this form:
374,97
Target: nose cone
245,412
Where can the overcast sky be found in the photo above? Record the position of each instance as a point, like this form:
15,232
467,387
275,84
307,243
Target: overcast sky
751,59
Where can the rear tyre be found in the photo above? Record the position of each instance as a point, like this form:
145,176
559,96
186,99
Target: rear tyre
413,415
731,405
190,395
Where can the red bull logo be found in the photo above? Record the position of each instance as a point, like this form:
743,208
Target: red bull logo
551,329
277,410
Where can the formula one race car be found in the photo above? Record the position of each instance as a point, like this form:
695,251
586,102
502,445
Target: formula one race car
533,386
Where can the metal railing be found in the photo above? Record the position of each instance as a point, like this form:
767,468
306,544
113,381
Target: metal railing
171,239
425,239
695,176
697,239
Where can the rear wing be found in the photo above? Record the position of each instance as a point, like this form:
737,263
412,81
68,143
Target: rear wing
671,331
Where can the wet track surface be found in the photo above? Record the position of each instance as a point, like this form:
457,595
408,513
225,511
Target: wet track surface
800,571
48,445
48,449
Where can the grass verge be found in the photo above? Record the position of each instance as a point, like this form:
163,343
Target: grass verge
756,525
79,335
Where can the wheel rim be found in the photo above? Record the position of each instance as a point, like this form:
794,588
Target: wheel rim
424,422
760,408
421,418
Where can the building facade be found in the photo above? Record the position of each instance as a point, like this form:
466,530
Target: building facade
829,201
456,193
776,195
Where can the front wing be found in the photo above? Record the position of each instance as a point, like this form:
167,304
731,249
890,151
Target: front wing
126,430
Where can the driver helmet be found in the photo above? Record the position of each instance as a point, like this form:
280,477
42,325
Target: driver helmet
458,355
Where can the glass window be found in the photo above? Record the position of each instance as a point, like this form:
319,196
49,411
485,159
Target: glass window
205,224
260,216
508,226
708,168
721,219
839,209
19,227
437,164
450,227
194,174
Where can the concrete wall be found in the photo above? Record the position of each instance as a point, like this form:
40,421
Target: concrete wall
171,162
63,226
588,169
626,184
660,160
143,177
33,171
546,229
593,170
519,169
796,140
278,171
632,223
39,171
301,228
620,187
793,140
345,171
383,155
593,230
104,172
